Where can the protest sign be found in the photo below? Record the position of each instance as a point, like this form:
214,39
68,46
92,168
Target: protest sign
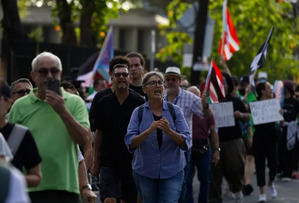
223,113
265,111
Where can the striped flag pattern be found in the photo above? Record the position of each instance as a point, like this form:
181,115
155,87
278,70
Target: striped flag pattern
260,58
229,41
214,83
101,66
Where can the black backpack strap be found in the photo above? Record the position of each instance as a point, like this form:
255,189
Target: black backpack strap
172,111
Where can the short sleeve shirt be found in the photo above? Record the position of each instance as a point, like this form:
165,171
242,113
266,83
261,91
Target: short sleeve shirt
27,155
112,119
57,149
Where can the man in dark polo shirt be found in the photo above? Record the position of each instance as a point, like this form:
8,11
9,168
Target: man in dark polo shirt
112,159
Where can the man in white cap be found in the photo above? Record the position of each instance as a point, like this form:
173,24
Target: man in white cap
190,104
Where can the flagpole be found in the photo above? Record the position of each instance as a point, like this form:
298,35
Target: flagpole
222,34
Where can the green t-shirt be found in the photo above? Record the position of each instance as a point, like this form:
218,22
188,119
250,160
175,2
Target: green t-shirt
59,153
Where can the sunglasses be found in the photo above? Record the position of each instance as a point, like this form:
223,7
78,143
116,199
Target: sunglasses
155,83
124,74
22,92
45,71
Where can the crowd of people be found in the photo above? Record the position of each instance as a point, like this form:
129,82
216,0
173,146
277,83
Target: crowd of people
142,139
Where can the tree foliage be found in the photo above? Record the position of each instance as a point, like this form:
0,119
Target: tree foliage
253,20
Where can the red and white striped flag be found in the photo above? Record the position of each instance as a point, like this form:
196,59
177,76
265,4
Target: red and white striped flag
229,41
214,83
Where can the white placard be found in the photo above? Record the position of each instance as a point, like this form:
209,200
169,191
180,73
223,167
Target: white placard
265,111
223,113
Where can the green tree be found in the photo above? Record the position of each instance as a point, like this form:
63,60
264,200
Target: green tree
253,20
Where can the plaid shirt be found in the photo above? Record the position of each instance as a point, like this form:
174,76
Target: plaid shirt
190,104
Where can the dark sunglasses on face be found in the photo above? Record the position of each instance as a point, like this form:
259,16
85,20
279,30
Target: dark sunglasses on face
22,92
154,83
124,74
45,71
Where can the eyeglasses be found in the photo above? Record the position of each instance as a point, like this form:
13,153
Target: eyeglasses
44,71
22,92
124,74
154,83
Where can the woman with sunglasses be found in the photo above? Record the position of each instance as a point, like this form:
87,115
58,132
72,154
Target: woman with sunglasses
158,135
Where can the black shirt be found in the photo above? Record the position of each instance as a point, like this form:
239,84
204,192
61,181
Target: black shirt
112,119
159,131
94,104
137,89
27,155
290,109
232,132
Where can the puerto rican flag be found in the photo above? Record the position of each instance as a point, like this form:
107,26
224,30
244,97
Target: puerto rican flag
229,41
214,83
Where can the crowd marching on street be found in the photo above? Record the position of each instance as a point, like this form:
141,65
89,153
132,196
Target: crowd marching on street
144,137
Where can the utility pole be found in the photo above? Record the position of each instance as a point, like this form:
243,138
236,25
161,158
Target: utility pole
199,35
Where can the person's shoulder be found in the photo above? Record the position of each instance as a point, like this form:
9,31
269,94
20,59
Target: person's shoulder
102,93
136,96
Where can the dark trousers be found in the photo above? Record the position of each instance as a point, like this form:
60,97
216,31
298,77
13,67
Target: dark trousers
263,152
288,159
231,166
51,196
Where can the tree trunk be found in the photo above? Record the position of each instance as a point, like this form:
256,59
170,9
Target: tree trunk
67,26
87,37
199,35
12,26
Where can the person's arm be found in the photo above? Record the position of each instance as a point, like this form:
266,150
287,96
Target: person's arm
33,176
242,116
97,147
214,145
79,134
85,190
137,140
88,154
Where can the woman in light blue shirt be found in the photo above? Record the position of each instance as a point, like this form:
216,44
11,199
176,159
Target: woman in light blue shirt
158,135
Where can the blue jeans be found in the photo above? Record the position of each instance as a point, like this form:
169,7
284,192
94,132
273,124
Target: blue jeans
159,190
202,163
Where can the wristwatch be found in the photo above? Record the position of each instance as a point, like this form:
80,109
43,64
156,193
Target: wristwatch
217,149
87,186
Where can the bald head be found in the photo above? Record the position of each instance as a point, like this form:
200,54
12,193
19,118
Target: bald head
194,90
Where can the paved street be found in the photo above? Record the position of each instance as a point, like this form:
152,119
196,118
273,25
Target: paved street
288,192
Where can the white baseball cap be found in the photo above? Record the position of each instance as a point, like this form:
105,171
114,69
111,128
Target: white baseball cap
173,71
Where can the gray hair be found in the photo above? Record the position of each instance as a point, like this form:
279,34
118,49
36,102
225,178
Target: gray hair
45,54
148,75
20,80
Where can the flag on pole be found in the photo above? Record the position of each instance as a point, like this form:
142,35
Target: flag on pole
101,66
229,41
214,83
260,58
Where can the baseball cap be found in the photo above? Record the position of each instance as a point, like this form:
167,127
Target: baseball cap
4,89
173,71
244,79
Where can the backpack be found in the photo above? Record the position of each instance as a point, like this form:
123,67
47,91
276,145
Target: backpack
15,137
170,107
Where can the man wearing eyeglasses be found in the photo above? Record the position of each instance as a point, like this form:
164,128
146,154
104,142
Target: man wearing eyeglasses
20,88
190,104
58,121
112,159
